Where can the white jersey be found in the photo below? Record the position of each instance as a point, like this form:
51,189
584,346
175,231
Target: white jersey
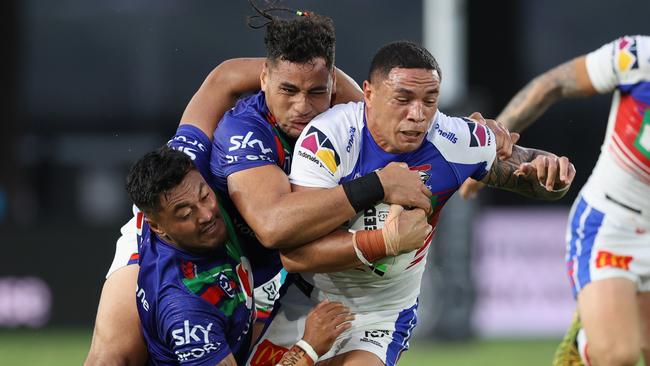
337,147
620,182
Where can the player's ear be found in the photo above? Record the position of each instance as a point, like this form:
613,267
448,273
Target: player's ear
367,91
154,226
264,75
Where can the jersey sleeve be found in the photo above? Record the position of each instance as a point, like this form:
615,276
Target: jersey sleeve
240,144
193,142
193,330
618,62
316,158
127,246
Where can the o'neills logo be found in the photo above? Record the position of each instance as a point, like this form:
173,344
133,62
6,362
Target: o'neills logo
267,354
447,135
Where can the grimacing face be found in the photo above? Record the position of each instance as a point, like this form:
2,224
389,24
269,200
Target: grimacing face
189,216
296,93
400,107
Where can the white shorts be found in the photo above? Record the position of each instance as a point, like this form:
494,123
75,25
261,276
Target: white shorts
126,248
287,325
604,245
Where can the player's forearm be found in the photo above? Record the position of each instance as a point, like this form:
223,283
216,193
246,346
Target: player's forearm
220,91
503,176
567,80
530,103
332,253
300,217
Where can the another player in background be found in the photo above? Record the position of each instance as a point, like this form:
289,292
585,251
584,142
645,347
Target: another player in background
399,122
195,284
608,237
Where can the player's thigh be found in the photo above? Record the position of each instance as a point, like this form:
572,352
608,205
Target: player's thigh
353,358
117,337
610,316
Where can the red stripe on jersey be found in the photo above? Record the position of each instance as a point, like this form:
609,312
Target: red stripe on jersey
623,163
134,257
139,217
628,126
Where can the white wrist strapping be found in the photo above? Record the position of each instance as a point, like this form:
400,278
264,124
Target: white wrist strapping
309,350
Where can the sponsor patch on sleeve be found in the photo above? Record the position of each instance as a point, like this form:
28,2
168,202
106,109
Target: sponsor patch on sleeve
626,54
318,148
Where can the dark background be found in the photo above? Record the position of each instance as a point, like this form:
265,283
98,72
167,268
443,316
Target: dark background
89,86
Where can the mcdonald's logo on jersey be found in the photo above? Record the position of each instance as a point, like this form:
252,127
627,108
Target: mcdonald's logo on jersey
267,354
608,259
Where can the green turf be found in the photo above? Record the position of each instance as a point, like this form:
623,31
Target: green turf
69,347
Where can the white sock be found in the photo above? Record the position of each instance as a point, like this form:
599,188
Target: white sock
582,346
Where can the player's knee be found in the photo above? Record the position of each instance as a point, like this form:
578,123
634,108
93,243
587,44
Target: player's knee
619,353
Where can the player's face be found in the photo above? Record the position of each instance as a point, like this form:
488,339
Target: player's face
296,93
400,107
190,216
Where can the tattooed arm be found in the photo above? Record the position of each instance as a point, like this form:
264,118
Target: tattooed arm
532,173
567,80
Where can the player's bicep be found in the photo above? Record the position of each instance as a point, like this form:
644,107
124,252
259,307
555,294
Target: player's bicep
255,191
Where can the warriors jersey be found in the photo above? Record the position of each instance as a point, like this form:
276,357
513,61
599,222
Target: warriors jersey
621,179
248,138
194,309
337,147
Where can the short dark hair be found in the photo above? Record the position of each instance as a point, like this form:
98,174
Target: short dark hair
154,174
300,39
401,54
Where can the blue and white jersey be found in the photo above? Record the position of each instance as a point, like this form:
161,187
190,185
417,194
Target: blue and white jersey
247,138
194,309
337,147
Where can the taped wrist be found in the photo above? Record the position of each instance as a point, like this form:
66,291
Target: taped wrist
363,192
369,245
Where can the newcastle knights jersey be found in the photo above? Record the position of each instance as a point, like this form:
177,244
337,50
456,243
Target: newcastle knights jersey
337,147
621,178
194,309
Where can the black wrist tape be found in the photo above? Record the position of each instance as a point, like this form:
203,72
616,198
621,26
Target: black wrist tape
364,192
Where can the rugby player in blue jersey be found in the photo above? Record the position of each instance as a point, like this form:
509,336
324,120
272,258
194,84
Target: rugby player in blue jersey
194,291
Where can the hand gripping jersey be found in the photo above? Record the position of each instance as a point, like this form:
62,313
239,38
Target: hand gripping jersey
337,147
194,309
609,225
621,178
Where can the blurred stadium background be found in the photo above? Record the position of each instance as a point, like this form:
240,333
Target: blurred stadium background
89,86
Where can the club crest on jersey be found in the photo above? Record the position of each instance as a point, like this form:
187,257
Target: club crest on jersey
479,135
424,171
320,145
627,58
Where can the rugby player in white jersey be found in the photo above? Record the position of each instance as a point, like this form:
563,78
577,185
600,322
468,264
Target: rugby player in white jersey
608,236
399,121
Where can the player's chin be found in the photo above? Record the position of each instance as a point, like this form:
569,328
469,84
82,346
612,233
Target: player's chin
215,237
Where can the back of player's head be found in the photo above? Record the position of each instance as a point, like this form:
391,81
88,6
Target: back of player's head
156,173
298,39
401,54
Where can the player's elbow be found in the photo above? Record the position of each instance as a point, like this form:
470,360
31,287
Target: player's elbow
290,264
271,238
